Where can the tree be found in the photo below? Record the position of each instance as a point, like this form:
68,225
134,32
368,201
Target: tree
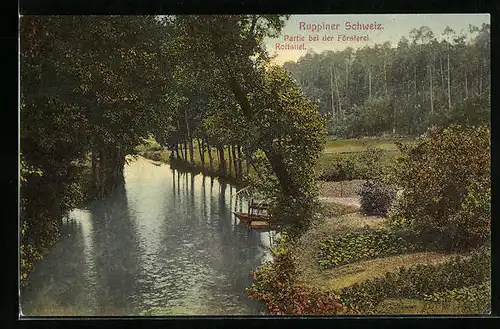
445,180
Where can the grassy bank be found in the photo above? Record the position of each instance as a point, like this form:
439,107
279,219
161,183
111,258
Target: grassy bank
353,280
357,145
385,264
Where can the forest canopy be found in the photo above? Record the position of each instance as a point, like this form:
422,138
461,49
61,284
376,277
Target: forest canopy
401,88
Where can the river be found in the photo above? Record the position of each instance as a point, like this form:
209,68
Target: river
165,243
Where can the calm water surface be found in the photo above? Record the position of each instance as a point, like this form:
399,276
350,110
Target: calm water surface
166,243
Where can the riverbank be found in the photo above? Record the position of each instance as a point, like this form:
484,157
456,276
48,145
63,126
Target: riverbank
342,217
163,157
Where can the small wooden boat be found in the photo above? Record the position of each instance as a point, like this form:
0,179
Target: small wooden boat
257,216
248,218
259,224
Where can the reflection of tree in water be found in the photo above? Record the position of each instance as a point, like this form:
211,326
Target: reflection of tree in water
241,249
115,253
57,287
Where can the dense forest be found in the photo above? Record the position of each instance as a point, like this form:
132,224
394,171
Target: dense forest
404,89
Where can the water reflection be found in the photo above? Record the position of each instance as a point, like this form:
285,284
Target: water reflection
165,243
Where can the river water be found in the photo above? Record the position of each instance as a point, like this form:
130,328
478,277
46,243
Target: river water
166,243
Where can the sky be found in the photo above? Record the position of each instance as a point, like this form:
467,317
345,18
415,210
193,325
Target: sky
388,27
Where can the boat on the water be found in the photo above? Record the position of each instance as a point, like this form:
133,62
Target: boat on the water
257,216
248,218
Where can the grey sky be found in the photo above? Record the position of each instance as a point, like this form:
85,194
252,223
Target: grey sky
394,26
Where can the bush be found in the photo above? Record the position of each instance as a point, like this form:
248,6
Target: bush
446,183
419,281
341,168
376,198
148,145
370,161
358,246
367,164
472,300
274,284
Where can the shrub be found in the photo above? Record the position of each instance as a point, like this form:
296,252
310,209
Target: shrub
370,161
275,285
419,281
341,168
446,181
376,198
472,300
367,164
358,246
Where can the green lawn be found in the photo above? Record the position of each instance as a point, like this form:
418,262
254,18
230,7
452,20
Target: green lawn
357,145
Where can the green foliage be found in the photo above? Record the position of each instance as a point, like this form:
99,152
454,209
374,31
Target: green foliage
28,255
472,300
341,168
252,104
403,89
446,183
419,281
359,246
274,284
292,153
376,198
369,163
149,144
26,170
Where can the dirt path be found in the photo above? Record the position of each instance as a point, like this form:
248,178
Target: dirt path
347,201
349,274
307,250
338,189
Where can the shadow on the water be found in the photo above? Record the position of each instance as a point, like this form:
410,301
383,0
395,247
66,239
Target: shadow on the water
151,244
116,253
62,291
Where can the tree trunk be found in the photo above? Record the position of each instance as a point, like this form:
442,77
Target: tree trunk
385,79
222,161
178,132
369,82
430,82
186,152
235,162
279,169
415,80
210,158
248,160
332,98
191,151
181,147
449,83
442,74
347,83
189,138
480,79
177,151
230,162
107,167
201,151
338,94
277,163
95,169
240,169
466,86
